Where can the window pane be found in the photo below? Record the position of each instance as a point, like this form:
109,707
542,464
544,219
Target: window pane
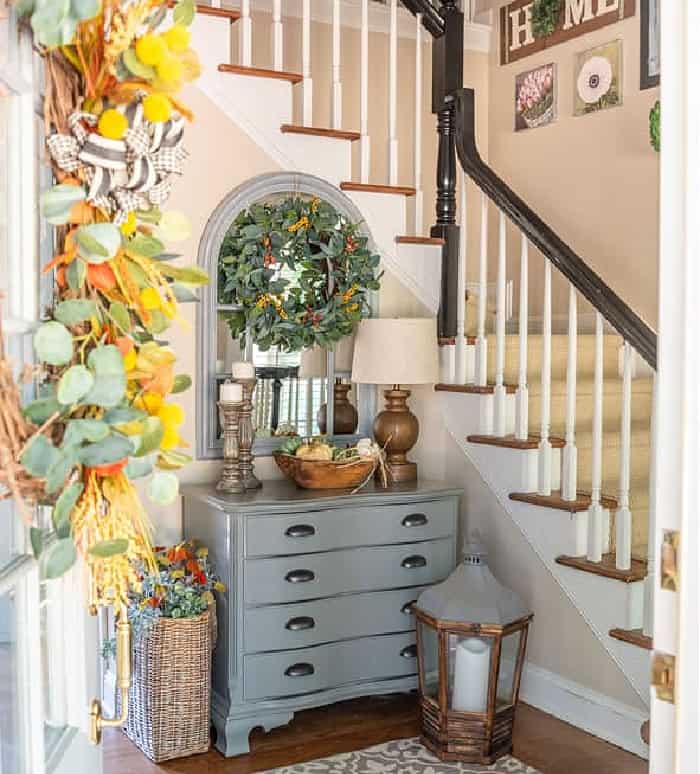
10,739
52,663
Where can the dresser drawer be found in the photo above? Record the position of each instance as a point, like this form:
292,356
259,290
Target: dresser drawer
296,578
282,627
294,672
346,527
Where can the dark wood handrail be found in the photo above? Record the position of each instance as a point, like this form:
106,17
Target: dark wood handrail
628,324
432,20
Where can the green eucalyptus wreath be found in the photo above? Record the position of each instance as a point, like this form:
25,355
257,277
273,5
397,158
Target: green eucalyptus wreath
299,271
545,15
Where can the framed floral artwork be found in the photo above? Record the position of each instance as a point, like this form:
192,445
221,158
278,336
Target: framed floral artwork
598,79
535,97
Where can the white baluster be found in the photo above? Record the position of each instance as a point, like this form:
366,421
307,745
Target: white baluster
499,391
245,35
481,342
307,83
521,397
393,150
595,511
623,516
337,93
277,36
545,448
649,583
418,129
570,453
461,342
364,94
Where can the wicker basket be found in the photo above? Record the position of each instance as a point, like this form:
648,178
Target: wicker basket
171,686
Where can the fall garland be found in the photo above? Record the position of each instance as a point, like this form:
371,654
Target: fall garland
102,418
300,272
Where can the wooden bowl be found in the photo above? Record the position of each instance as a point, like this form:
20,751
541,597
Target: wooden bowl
319,474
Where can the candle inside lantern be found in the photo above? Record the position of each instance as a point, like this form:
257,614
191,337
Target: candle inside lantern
243,369
231,392
471,677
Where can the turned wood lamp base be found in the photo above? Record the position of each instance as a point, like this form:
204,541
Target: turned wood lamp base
396,429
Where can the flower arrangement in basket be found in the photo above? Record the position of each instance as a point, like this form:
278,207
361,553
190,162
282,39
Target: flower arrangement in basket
535,98
173,614
313,463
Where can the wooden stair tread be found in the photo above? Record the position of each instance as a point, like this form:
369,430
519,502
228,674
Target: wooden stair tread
606,567
556,501
445,341
473,389
511,442
259,72
207,10
402,190
633,637
419,240
316,131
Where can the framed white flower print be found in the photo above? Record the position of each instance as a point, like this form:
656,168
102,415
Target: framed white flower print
535,97
598,78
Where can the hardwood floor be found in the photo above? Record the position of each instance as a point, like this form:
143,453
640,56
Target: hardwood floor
541,740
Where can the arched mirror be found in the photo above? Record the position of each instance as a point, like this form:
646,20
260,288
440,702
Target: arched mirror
302,387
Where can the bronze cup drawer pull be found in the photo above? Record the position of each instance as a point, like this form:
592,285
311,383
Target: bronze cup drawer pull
409,651
407,609
300,531
414,562
415,520
299,670
300,623
300,576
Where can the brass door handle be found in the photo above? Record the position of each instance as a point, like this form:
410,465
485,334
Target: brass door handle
123,662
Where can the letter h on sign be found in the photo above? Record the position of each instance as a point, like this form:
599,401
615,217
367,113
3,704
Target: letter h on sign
521,23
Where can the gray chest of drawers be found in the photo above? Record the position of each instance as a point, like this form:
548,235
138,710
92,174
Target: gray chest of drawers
319,592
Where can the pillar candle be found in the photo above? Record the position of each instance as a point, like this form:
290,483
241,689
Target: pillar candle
231,392
243,369
471,677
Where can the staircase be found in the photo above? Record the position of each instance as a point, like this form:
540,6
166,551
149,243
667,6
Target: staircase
557,424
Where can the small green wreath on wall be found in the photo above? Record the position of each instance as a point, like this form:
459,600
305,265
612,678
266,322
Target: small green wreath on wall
300,272
545,15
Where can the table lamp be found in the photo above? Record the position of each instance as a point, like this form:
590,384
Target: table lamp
397,352
313,366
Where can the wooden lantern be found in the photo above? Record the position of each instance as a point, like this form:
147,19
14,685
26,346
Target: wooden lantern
472,635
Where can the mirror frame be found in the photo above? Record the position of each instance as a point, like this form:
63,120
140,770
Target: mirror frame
208,445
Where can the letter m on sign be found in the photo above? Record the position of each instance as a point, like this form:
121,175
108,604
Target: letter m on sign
576,12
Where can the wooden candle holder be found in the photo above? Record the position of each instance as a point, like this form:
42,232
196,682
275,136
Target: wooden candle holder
231,479
247,436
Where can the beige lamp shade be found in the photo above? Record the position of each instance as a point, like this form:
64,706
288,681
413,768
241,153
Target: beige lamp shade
396,351
313,361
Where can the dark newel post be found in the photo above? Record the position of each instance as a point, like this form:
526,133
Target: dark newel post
448,53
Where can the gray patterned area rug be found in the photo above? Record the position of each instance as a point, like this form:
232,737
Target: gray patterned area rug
403,756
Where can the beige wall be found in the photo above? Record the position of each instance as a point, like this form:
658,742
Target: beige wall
222,157
594,178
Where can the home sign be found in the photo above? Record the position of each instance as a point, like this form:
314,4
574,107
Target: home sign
577,17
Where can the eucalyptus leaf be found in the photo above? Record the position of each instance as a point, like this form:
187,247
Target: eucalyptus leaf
80,430
58,472
163,488
111,449
59,558
120,314
106,548
36,537
136,67
138,468
57,202
53,343
159,322
84,9
38,411
75,311
75,382
181,383
98,242
39,456
107,364
151,436
122,414
63,507
191,275
169,459
76,273
145,245
184,12
184,293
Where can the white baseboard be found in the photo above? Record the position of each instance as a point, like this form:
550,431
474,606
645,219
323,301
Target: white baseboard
584,708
